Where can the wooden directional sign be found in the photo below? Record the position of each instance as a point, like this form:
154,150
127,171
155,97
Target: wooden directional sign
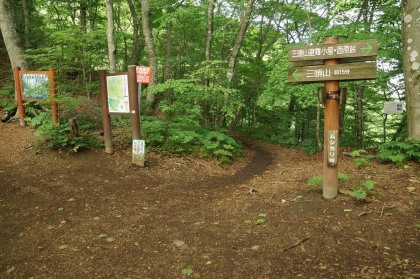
338,72
368,49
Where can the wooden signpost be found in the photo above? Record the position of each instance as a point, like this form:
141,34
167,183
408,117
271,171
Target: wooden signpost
331,63
35,86
119,96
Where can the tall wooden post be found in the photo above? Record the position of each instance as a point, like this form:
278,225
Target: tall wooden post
106,119
331,128
19,97
134,104
53,92
134,111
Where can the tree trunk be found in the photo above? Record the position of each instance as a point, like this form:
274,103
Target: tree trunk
318,117
150,46
359,116
210,15
110,36
135,47
411,61
25,7
343,103
10,36
244,22
83,14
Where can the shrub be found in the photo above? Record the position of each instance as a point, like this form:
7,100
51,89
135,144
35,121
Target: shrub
57,136
399,152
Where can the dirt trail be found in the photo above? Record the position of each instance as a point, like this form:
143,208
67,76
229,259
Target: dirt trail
94,215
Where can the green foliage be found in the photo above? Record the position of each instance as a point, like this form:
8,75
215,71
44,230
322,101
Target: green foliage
399,152
175,138
316,181
57,136
187,272
342,177
360,160
309,146
262,218
363,190
319,179
6,97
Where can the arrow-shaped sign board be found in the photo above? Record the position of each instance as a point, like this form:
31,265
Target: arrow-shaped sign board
338,72
366,48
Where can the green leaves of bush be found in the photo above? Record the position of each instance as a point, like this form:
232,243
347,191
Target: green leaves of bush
58,136
175,138
362,191
399,152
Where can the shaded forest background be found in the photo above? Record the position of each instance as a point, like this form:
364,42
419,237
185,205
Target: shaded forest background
218,66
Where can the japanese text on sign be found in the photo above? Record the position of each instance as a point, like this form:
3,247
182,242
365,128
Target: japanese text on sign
394,107
139,148
324,51
35,86
143,74
332,148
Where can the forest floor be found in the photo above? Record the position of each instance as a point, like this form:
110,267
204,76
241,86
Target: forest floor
95,215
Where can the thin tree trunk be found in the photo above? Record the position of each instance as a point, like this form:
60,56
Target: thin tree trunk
318,118
83,14
359,119
110,36
343,103
135,47
210,15
244,22
150,46
400,128
411,61
167,72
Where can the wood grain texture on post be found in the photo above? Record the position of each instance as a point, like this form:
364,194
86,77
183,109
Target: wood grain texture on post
331,125
106,119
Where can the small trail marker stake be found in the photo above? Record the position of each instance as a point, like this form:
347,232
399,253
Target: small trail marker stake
322,64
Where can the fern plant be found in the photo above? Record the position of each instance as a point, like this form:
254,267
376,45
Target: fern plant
360,160
399,152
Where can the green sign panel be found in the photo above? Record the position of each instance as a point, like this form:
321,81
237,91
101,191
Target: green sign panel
339,72
366,49
117,86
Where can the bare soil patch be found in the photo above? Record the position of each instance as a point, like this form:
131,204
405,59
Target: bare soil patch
94,215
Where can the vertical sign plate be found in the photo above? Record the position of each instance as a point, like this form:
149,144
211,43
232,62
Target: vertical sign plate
332,148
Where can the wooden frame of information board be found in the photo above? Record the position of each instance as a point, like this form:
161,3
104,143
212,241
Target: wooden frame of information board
37,86
131,88
331,63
